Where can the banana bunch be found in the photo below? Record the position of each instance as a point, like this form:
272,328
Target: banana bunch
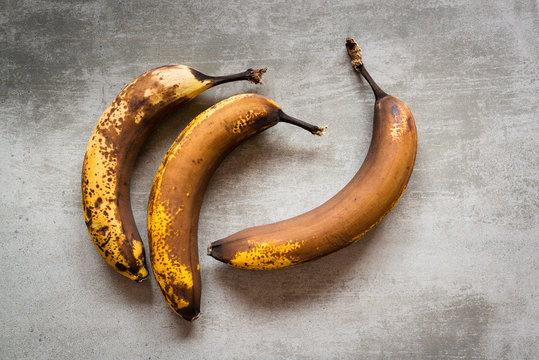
181,180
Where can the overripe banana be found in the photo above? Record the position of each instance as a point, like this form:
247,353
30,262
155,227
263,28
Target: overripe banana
353,211
179,187
113,147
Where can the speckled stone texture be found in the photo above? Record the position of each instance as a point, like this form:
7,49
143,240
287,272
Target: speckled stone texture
451,273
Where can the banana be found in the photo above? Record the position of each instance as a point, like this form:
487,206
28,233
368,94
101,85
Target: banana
113,147
352,212
179,185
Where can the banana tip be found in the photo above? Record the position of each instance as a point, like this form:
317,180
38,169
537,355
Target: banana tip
256,75
208,252
321,131
354,51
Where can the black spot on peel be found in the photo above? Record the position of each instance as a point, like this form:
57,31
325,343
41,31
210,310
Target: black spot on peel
133,268
104,243
120,266
103,230
89,215
98,202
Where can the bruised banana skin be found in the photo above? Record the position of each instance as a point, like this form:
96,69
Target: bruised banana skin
113,148
352,212
179,186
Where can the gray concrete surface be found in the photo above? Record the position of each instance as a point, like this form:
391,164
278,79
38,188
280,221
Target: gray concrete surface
451,273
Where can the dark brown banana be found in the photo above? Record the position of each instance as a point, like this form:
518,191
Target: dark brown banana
357,208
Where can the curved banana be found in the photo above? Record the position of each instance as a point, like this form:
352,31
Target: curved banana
346,217
180,183
113,148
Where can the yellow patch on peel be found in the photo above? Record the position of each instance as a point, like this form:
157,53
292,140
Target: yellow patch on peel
139,116
169,271
169,283
266,256
400,124
138,251
99,199
246,120
163,263
181,303
180,79
159,221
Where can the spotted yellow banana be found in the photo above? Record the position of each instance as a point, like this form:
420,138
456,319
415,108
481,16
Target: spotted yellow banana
180,183
113,148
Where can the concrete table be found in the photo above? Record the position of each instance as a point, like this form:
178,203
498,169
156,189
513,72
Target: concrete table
451,273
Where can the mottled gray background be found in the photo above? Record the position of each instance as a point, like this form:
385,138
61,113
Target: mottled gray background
451,273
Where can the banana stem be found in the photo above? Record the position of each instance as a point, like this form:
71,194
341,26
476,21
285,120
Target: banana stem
355,54
313,129
253,75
